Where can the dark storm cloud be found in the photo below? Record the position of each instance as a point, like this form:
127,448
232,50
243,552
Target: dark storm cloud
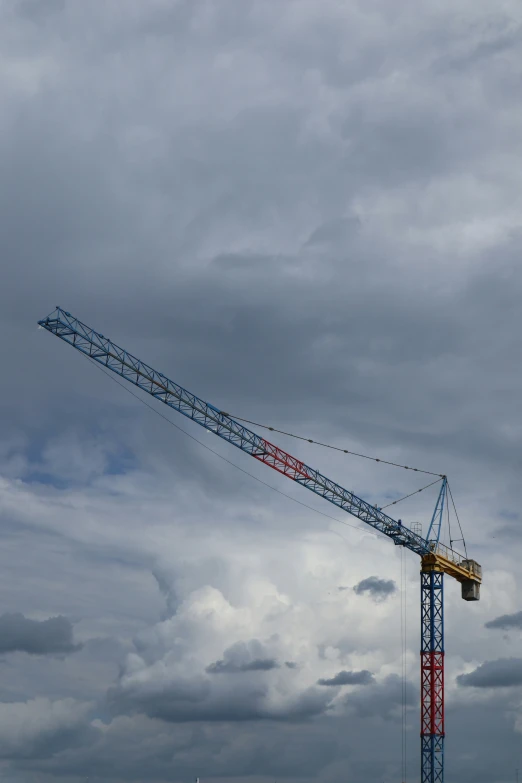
506,622
363,677
229,667
377,588
502,673
36,637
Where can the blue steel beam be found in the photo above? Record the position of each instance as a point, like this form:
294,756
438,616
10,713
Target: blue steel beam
109,355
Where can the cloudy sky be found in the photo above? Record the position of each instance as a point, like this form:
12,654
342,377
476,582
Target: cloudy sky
308,213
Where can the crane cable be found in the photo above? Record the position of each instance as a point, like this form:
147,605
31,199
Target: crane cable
404,581
365,456
410,495
280,492
328,446
213,451
458,522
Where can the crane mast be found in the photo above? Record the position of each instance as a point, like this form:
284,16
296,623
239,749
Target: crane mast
436,558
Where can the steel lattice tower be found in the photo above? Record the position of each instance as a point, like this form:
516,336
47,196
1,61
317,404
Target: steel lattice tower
432,677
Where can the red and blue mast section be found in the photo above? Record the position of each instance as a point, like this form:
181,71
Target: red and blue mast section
436,558
432,657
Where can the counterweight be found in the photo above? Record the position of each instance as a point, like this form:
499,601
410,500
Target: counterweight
436,558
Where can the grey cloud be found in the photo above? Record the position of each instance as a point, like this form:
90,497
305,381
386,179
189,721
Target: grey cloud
140,748
381,698
502,673
240,657
36,637
229,667
501,39
335,232
363,677
379,589
181,701
320,240
198,698
506,622
146,749
33,9
39,727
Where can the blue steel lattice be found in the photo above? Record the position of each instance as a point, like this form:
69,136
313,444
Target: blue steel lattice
432,612
436,520
108,354
432,677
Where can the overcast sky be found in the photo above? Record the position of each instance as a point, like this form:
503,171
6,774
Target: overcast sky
308,213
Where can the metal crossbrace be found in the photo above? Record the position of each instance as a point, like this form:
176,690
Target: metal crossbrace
432,677
108,354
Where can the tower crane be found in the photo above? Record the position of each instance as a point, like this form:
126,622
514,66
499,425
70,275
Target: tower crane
436,558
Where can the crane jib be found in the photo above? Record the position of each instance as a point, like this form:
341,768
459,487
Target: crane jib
105,352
